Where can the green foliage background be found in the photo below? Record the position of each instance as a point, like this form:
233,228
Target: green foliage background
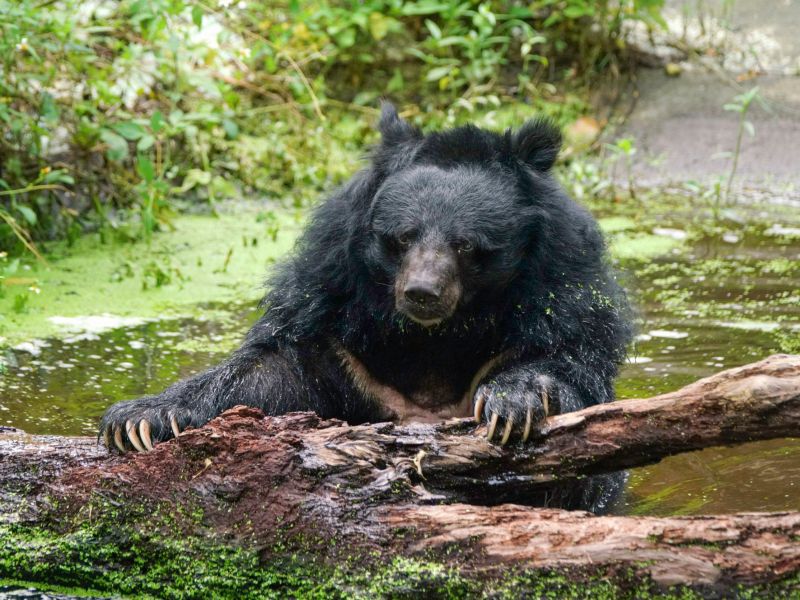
114,114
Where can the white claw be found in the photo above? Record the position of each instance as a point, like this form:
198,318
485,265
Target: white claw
507,431
492,426
173,422
144,434
528,422
479,407
546,402
130,429
118,439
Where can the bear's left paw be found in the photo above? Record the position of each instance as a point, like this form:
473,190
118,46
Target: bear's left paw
519,403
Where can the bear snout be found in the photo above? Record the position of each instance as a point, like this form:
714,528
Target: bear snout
427,288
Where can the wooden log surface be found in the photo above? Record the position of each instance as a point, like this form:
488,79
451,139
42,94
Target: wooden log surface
423,490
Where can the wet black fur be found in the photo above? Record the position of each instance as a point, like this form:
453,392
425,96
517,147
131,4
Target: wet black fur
538,288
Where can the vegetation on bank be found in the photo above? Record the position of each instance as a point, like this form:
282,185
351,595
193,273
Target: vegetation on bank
115,114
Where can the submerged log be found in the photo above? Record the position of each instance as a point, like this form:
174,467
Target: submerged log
338,494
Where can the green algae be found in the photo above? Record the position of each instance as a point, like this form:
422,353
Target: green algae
643,246
205,259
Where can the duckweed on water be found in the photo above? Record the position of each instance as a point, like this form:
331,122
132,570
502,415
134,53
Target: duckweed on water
205,259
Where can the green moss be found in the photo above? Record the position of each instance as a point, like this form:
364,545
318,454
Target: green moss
100,559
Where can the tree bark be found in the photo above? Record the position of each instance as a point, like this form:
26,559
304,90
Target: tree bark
300,482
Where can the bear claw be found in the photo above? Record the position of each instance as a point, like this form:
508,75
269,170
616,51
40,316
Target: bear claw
130,429
173,422
144,434
492,426
118,439
528,422
507,431
479,407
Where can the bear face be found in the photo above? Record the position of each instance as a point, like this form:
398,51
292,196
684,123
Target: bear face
442,237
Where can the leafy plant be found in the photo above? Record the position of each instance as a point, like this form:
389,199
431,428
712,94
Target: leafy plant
741,104
115,114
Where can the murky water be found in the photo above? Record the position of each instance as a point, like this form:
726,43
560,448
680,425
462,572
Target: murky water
65,386
721,305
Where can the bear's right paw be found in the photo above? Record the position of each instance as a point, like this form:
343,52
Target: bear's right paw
516,401
140,424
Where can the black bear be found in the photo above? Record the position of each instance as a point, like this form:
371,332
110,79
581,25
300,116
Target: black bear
452,276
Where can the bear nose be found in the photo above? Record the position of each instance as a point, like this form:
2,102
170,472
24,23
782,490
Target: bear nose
421,294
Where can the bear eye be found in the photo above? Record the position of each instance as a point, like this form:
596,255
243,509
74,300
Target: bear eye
404,239
464,247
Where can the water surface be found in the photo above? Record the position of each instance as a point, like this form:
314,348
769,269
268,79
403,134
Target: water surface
712,305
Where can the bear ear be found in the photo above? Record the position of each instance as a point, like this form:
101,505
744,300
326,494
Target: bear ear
537,143
393,129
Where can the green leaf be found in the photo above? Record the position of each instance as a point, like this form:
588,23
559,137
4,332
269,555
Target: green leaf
436,33
157,121
379,25
748,126
27,213
145,143
194,177
197,15
424,8
576,12
144,166
346,38
58,176
231,128
49,109
129,130
437,73
117,146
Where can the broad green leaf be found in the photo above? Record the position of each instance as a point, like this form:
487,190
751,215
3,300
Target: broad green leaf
117,146
157,121
438,73
197,15
58,176
49,109
129,130
231,128
145,143
379,25
346,37
27,213
144,166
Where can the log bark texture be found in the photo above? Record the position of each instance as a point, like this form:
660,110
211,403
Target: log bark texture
332,490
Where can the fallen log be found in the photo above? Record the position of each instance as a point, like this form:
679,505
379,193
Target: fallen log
415,506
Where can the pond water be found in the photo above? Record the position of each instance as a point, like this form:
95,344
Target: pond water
712,305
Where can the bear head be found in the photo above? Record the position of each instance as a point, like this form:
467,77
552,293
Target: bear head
457,213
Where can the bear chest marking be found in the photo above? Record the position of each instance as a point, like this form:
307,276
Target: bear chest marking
434,401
